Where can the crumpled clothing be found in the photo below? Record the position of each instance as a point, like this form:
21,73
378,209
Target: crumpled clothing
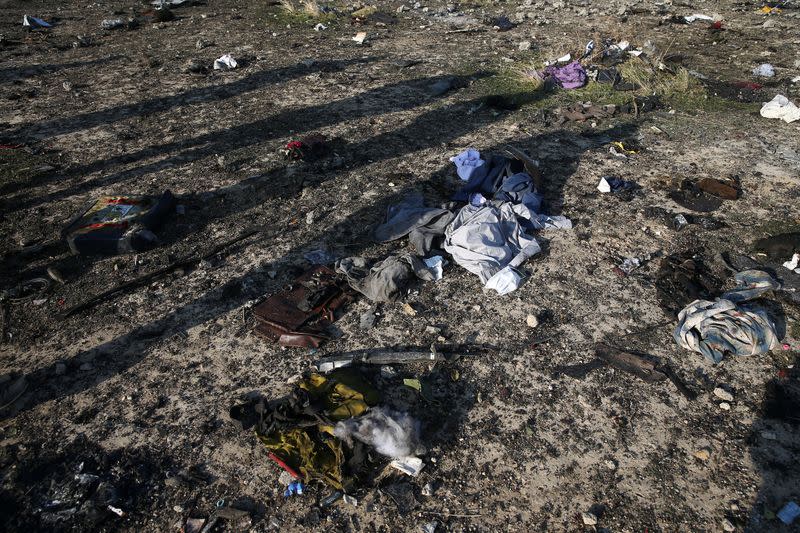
486,182
469,164
298,429
571,76
423,225
750,284
519,189
780,107
505,185
505,281
725,326
486,239
391,433
386,280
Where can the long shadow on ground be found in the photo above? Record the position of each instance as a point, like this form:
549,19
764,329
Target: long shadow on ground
122,352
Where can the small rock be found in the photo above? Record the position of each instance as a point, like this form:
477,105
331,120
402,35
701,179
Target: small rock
194,66
703,454
410,311
725,406
177,509
367,320
723,395
55,274
532,321
727,525
67,86
203,43
524,45
611,464
310,217
430,527
589,519
433,330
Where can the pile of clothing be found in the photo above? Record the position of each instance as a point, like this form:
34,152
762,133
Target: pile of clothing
489,236
326,427
729,325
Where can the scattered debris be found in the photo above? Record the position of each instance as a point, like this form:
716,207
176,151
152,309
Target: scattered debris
294,488
33,23
360,37
780,107
113,24
722,394
789,513
764,70
703,454
300,315
570,76
118,224
225,62
792,263
589,519
611,184
728,326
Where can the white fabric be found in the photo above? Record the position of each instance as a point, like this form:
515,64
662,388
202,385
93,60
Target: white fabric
485,239
780,107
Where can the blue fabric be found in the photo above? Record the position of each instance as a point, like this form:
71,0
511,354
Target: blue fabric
469,164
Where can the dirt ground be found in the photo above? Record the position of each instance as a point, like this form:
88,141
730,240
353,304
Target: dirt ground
127,402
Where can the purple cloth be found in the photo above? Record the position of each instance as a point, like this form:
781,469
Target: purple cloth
570,76
469,165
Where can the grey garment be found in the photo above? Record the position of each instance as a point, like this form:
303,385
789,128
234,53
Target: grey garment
727,326
391,433
385,281
485,239
751,284
423,225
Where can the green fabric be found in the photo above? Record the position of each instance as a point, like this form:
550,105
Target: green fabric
313,452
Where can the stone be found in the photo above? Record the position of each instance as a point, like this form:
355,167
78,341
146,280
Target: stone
727,525
310,217
524,45
702,454
610,464
723,395
367,320
532,321
433,330
589,519
410,311
725,406
194,66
